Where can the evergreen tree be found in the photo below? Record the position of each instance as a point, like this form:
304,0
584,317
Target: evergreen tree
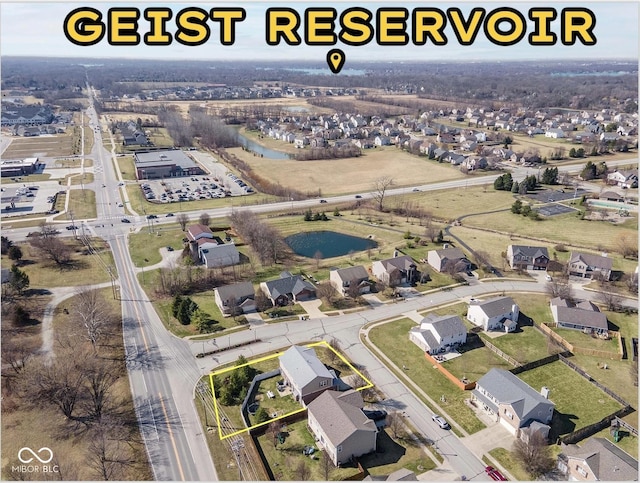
498,184
507,181
589,171
308,215
18,280
175,306
516,187
516,207
15,253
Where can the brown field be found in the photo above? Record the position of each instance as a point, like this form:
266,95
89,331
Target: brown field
351,175
59,145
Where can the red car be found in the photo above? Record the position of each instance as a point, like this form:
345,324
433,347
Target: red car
494,474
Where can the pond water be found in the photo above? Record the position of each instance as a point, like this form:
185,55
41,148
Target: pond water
261,150
328,243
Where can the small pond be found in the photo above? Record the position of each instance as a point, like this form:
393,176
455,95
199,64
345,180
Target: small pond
261,150
328,243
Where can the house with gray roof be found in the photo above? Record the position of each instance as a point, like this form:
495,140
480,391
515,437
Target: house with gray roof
527,257
438,333
584,316
340,426
287,289
497,313
234,299
513,402
210,250
597,459
307,376
348,280
586,265
447,259
396,271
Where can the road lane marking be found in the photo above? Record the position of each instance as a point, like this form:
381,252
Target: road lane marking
173,441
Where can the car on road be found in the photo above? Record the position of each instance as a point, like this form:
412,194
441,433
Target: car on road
494,474
169,214
120,183
126,220
72,227
358,197
548,278
152,217
323,201
169,249
120,205
440,421
416,189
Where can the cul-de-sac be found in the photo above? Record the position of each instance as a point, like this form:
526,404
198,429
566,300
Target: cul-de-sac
234,270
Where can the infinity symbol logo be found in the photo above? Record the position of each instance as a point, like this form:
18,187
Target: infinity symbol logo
35,455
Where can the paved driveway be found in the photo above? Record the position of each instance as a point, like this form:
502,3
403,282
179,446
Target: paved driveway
312,307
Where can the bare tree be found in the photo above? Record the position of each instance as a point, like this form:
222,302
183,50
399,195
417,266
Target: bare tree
335,346
611,300
483,259
380,187
262,301
182,219
107,455
627,245
303,473
326,465
534,454
273,430
396,425
91,311
631,281
53,248
204,219
325,291
559,288
100,377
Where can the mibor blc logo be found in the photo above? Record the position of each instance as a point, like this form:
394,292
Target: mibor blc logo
35,461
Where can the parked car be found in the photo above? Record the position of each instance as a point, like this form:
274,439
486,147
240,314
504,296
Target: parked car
494,474
152,217
440,421
72,227
548,278
377,415
169,249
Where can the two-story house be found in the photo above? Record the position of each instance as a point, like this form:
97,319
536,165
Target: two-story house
438,333
350,280
516,404
597,459
448,259
340,426
396,270
235,299
527,257
498,313
586,265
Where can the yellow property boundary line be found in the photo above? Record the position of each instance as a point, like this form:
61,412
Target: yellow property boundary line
266,358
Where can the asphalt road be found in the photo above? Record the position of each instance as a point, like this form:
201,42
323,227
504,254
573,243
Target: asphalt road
162,370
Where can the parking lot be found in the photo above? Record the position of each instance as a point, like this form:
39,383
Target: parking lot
549,195
25,198
193,188
552,209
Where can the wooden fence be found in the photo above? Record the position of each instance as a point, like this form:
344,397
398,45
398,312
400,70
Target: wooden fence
544,328
501,354
464,386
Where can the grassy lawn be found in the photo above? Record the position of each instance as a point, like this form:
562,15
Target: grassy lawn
475,362
578,402
561,228
525,345
397,454
145,247
78,179
429,379
507,459
159,136
82,203
578,339
278,405
127,168
355,174
628,442
84,269
205,302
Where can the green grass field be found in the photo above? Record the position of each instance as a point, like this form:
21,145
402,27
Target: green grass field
127,168
578,402
429,379
82,203
145,247
82,270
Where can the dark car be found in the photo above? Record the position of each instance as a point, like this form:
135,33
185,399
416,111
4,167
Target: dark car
169,249
126,220
377,415
169,214
72,227
358,196
152,217
323,201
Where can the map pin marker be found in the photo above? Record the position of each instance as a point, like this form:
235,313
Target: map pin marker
335,59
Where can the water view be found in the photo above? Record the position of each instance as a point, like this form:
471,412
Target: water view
328,243
261,150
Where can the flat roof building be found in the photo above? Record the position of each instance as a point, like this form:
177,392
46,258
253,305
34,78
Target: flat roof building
18,167
165,164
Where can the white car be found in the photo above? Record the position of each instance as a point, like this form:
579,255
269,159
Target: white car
440,421
548,278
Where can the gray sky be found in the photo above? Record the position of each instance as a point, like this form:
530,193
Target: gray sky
36,29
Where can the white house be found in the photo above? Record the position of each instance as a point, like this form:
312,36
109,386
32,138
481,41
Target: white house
437,333
499,313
